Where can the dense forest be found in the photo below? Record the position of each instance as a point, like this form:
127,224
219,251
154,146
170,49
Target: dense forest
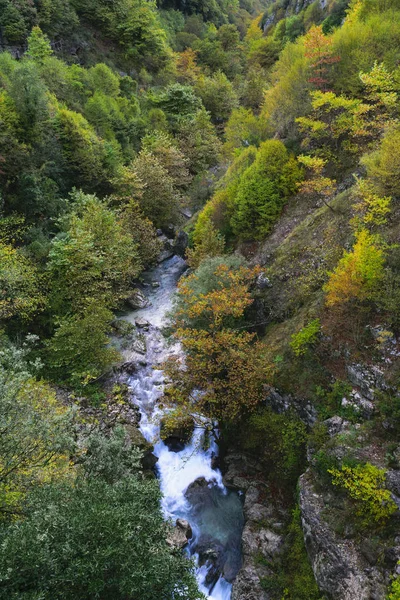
266,136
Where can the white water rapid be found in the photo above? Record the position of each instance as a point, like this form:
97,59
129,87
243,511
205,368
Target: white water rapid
214,513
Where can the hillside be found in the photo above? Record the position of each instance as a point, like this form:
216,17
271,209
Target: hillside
260,143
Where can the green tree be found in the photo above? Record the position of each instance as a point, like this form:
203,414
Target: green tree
79,351
359,273
218,96
36,431
159,199
262,190
21,285
93,258
38,45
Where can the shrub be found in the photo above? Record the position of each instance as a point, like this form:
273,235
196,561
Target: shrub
306,337
365,484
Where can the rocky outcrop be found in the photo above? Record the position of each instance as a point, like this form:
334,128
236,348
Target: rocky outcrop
262,540
281,403
342,570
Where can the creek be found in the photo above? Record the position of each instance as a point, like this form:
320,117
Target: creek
192,489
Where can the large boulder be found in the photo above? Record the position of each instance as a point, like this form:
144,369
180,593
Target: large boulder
137,299
181,243
177,436
180,535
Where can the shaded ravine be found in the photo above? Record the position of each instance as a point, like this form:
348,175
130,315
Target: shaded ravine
214,513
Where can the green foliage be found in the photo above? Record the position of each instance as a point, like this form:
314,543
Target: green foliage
383,165
306,337
82,537
38,45
93,258
79,352
365,484
394,591
36,430
358,273
298,583
281,441
262,190
21,293
159,200
218,96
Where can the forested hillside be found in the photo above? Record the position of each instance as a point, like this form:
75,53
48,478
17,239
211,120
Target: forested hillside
261,141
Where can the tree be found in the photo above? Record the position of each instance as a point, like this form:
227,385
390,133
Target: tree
317,184
218,96
365,484
164,148
21,286
36,431
38,45
359,272
198,142
383,165
209,245
79,351
222,374
319,51
92,259
257,205
159,199
262,190
83,152
243,129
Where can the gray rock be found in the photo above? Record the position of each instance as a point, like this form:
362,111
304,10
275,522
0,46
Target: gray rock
181,243
367,379
340,569
142,323
137,299
180,535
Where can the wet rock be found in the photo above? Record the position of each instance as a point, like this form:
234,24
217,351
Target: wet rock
137,299
142,324
137,439
176,437
181,243
180,535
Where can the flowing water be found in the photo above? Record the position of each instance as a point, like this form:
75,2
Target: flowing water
214,513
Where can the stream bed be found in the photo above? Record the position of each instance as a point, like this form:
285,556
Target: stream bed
192,489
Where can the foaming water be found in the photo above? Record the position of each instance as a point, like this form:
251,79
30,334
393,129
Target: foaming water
215,516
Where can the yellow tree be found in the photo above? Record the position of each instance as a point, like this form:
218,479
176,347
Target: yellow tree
222,374
359,272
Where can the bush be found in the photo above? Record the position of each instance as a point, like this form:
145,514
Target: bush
365,484
306,337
